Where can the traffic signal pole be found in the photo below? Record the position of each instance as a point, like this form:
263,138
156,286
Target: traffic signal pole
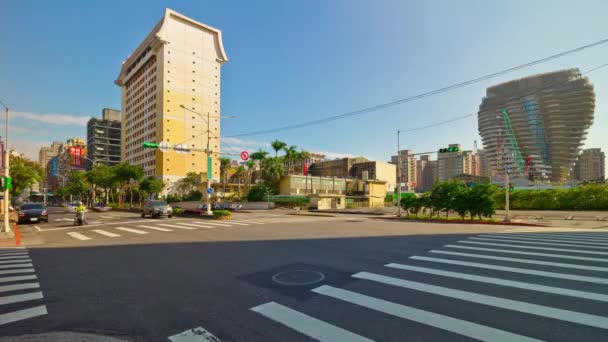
507,190
398,177
7,227
209,168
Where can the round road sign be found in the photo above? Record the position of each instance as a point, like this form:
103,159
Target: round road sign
245,155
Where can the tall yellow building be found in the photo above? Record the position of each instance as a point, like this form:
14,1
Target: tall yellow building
170,86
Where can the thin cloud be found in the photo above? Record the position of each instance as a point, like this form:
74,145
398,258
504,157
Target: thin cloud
14,129
29,148
56,119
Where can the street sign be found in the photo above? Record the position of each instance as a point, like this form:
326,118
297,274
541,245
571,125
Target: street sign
209,167
164,146
181,148
150,145
305,169
209,190
245,155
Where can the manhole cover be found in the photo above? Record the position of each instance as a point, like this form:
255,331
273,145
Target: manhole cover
298,277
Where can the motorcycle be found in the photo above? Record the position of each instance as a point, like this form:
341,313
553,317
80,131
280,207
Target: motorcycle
80,220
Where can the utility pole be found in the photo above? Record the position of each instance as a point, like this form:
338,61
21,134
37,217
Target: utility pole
7,227
507,219
398,177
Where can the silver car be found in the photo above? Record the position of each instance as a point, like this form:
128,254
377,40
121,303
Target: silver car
156,208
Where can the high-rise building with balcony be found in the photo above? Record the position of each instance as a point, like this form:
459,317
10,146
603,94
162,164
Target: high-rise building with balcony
406,174
47,152
590,165
103,138
535,126
171,92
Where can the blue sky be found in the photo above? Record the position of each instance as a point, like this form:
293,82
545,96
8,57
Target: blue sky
296,61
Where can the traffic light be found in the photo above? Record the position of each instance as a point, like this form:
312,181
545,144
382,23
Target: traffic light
150,145
449,149
511,188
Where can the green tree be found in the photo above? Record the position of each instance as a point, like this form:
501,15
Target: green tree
77,184
407,203
277,145
101,176
238,176
258,193
224,167
443,196
188,183
259,155
126,174
151,185
24,173
272,172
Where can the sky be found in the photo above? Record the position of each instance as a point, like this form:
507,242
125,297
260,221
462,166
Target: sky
298,61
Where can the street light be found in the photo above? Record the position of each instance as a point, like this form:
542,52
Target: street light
7,228
208,153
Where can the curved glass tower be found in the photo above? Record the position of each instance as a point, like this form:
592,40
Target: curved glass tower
535,126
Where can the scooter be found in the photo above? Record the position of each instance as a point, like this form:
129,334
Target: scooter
80,220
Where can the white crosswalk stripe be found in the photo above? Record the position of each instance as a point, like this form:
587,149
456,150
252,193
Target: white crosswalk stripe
550,239
307,325
79,236
24,258
15,304
512,275
16,265
201,224
581,237
218,224
156,228
544,243
188,225
106,233
451,324
176,226
130,230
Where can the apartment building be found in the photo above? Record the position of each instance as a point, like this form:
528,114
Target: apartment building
590,165
426,173
407,174
103,138
47,152
171,92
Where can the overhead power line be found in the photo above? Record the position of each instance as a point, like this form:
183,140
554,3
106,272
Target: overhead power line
422,95
524,95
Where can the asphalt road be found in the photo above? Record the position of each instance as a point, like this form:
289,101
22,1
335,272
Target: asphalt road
268,276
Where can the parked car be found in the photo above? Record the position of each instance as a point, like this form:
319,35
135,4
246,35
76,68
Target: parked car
32,212
156,208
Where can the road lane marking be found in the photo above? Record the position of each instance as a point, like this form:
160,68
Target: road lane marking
4,249
15,287
536,242
37,228
239,223
504,282
525,261
24,258
64,219
135,231
583,237
175,226
20,298
202,225
106,233
22,314
561,256
78,236
580,239
17,278
199,334
587,279
543,239
451,324
105,216
217,224
19,270
27,264
530,247
5,256
188,225
307,325
156,228
19,258
498,302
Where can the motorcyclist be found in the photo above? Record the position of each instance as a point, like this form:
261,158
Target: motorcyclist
80,208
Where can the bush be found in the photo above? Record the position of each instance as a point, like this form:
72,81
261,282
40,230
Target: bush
222,214
586,197
178,211
193,195
258,193
172,198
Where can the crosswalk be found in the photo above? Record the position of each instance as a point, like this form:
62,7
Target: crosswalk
168,226
514,286
20,293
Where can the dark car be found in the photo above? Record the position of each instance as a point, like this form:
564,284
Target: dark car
156,208
32,212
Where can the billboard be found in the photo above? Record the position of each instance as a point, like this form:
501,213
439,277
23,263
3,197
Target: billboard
54,167
77,154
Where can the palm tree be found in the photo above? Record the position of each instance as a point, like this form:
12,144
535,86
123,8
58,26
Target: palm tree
259,155
277,145
224,166
238,175
250,166
291,155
